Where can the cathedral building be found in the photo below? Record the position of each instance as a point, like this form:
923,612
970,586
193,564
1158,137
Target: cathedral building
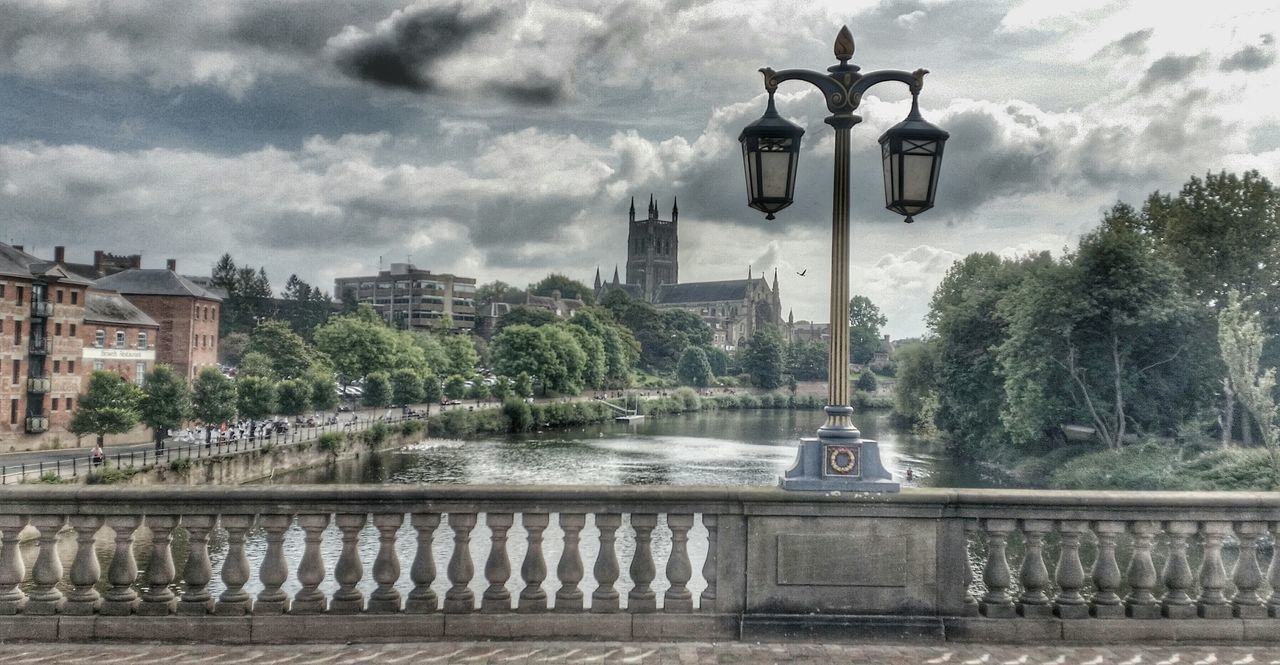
734,309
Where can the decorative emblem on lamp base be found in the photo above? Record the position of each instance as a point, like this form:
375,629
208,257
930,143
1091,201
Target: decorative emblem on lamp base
838,459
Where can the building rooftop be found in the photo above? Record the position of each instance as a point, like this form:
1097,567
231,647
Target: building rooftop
154,282
693,292
111,307
17,263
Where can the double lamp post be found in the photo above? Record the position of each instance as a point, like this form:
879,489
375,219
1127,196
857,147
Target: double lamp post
911,152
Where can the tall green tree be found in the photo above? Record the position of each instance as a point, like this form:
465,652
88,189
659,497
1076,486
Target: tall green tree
406,387
455,387
917,385
522,349
360,344
565,375
1241,339
377,389
109,406
324,390
165,403
526,316
287,352
763,359
294,396
461,352
693,368
865,322
568,288
807,360
432,391
255,397
213,399
596,365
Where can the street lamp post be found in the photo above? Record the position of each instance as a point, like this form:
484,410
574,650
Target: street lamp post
911,153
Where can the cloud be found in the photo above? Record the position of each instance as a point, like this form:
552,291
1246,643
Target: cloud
400,51
1252,58
1169,69
1134,43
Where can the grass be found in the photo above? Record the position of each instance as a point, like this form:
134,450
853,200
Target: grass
1161,466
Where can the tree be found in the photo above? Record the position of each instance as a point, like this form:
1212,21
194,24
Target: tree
231,347
865,322
596,364
255,363
763,359
478,392
294,396
526,316
1241,339
565,374
522,349
523,385
213,399
377,389
461,353
324,390
359,344
287,353
568,288
621,350
693,368
455,387
496,291
432,391
255,397
433,350
165,403
109,406
917,379
406,387
807,360
866,382
305,307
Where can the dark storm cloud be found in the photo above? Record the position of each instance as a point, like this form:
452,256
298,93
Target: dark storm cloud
401,56
294,26
1134,43
1252,58
1169,69
538,91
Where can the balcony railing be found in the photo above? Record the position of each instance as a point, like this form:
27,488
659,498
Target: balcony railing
41,308
36,425
422,562
38,346
39,384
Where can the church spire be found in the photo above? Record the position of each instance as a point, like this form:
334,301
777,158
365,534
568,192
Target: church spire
615,274
633,209
791,317
597,278
775,280
675,209
748,272
653,208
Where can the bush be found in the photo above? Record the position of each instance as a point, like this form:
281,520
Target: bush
111,475
181,465
411,427
1141,467
689,400
518,414
331,442
50,478
376,434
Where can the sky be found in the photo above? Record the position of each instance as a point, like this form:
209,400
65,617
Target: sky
504,140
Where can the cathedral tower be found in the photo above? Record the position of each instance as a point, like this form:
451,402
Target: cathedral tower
653,249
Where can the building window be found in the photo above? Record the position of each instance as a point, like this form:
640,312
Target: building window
57,365
19,295
53,404
57,328
1,325
71,368
75,299
142,340
13,412
17,366
100,338
1,290
97,365
58,296
17,332
73,326
214,314
195,341
71,401
140,372
119,339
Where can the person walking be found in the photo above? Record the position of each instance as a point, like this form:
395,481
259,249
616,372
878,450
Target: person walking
97,456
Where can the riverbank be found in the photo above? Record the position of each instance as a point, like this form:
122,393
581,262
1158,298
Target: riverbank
1154,466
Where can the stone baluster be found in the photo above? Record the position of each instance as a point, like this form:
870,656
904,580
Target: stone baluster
997,603
311,569
1069,604
707,601
1212,603
970,607
120,599
1273,573
605,597
83,599
198,571
1033,575
159,599
386,565
1247,603
1178,580
12,568
570,569
1106,571
533,570
422,599
44,596
275,570
1141,603
235,601
641,598
497,568
459,597
349,570
679,569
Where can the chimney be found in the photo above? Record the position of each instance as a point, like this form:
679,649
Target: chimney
59,254
18,247
136,261
97,260
171,264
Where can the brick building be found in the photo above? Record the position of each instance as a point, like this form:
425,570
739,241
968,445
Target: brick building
117,336
186,313
41,310
411,298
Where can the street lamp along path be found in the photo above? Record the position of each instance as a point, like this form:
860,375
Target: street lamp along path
911,154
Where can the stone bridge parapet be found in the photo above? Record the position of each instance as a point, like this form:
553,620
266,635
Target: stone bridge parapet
379,563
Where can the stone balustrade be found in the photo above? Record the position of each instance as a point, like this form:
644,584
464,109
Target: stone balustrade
417,562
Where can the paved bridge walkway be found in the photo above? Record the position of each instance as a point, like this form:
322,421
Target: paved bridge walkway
685,653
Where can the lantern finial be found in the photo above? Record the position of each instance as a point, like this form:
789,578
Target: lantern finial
844,45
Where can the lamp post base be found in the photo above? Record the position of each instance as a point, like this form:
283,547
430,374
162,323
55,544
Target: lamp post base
838,460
